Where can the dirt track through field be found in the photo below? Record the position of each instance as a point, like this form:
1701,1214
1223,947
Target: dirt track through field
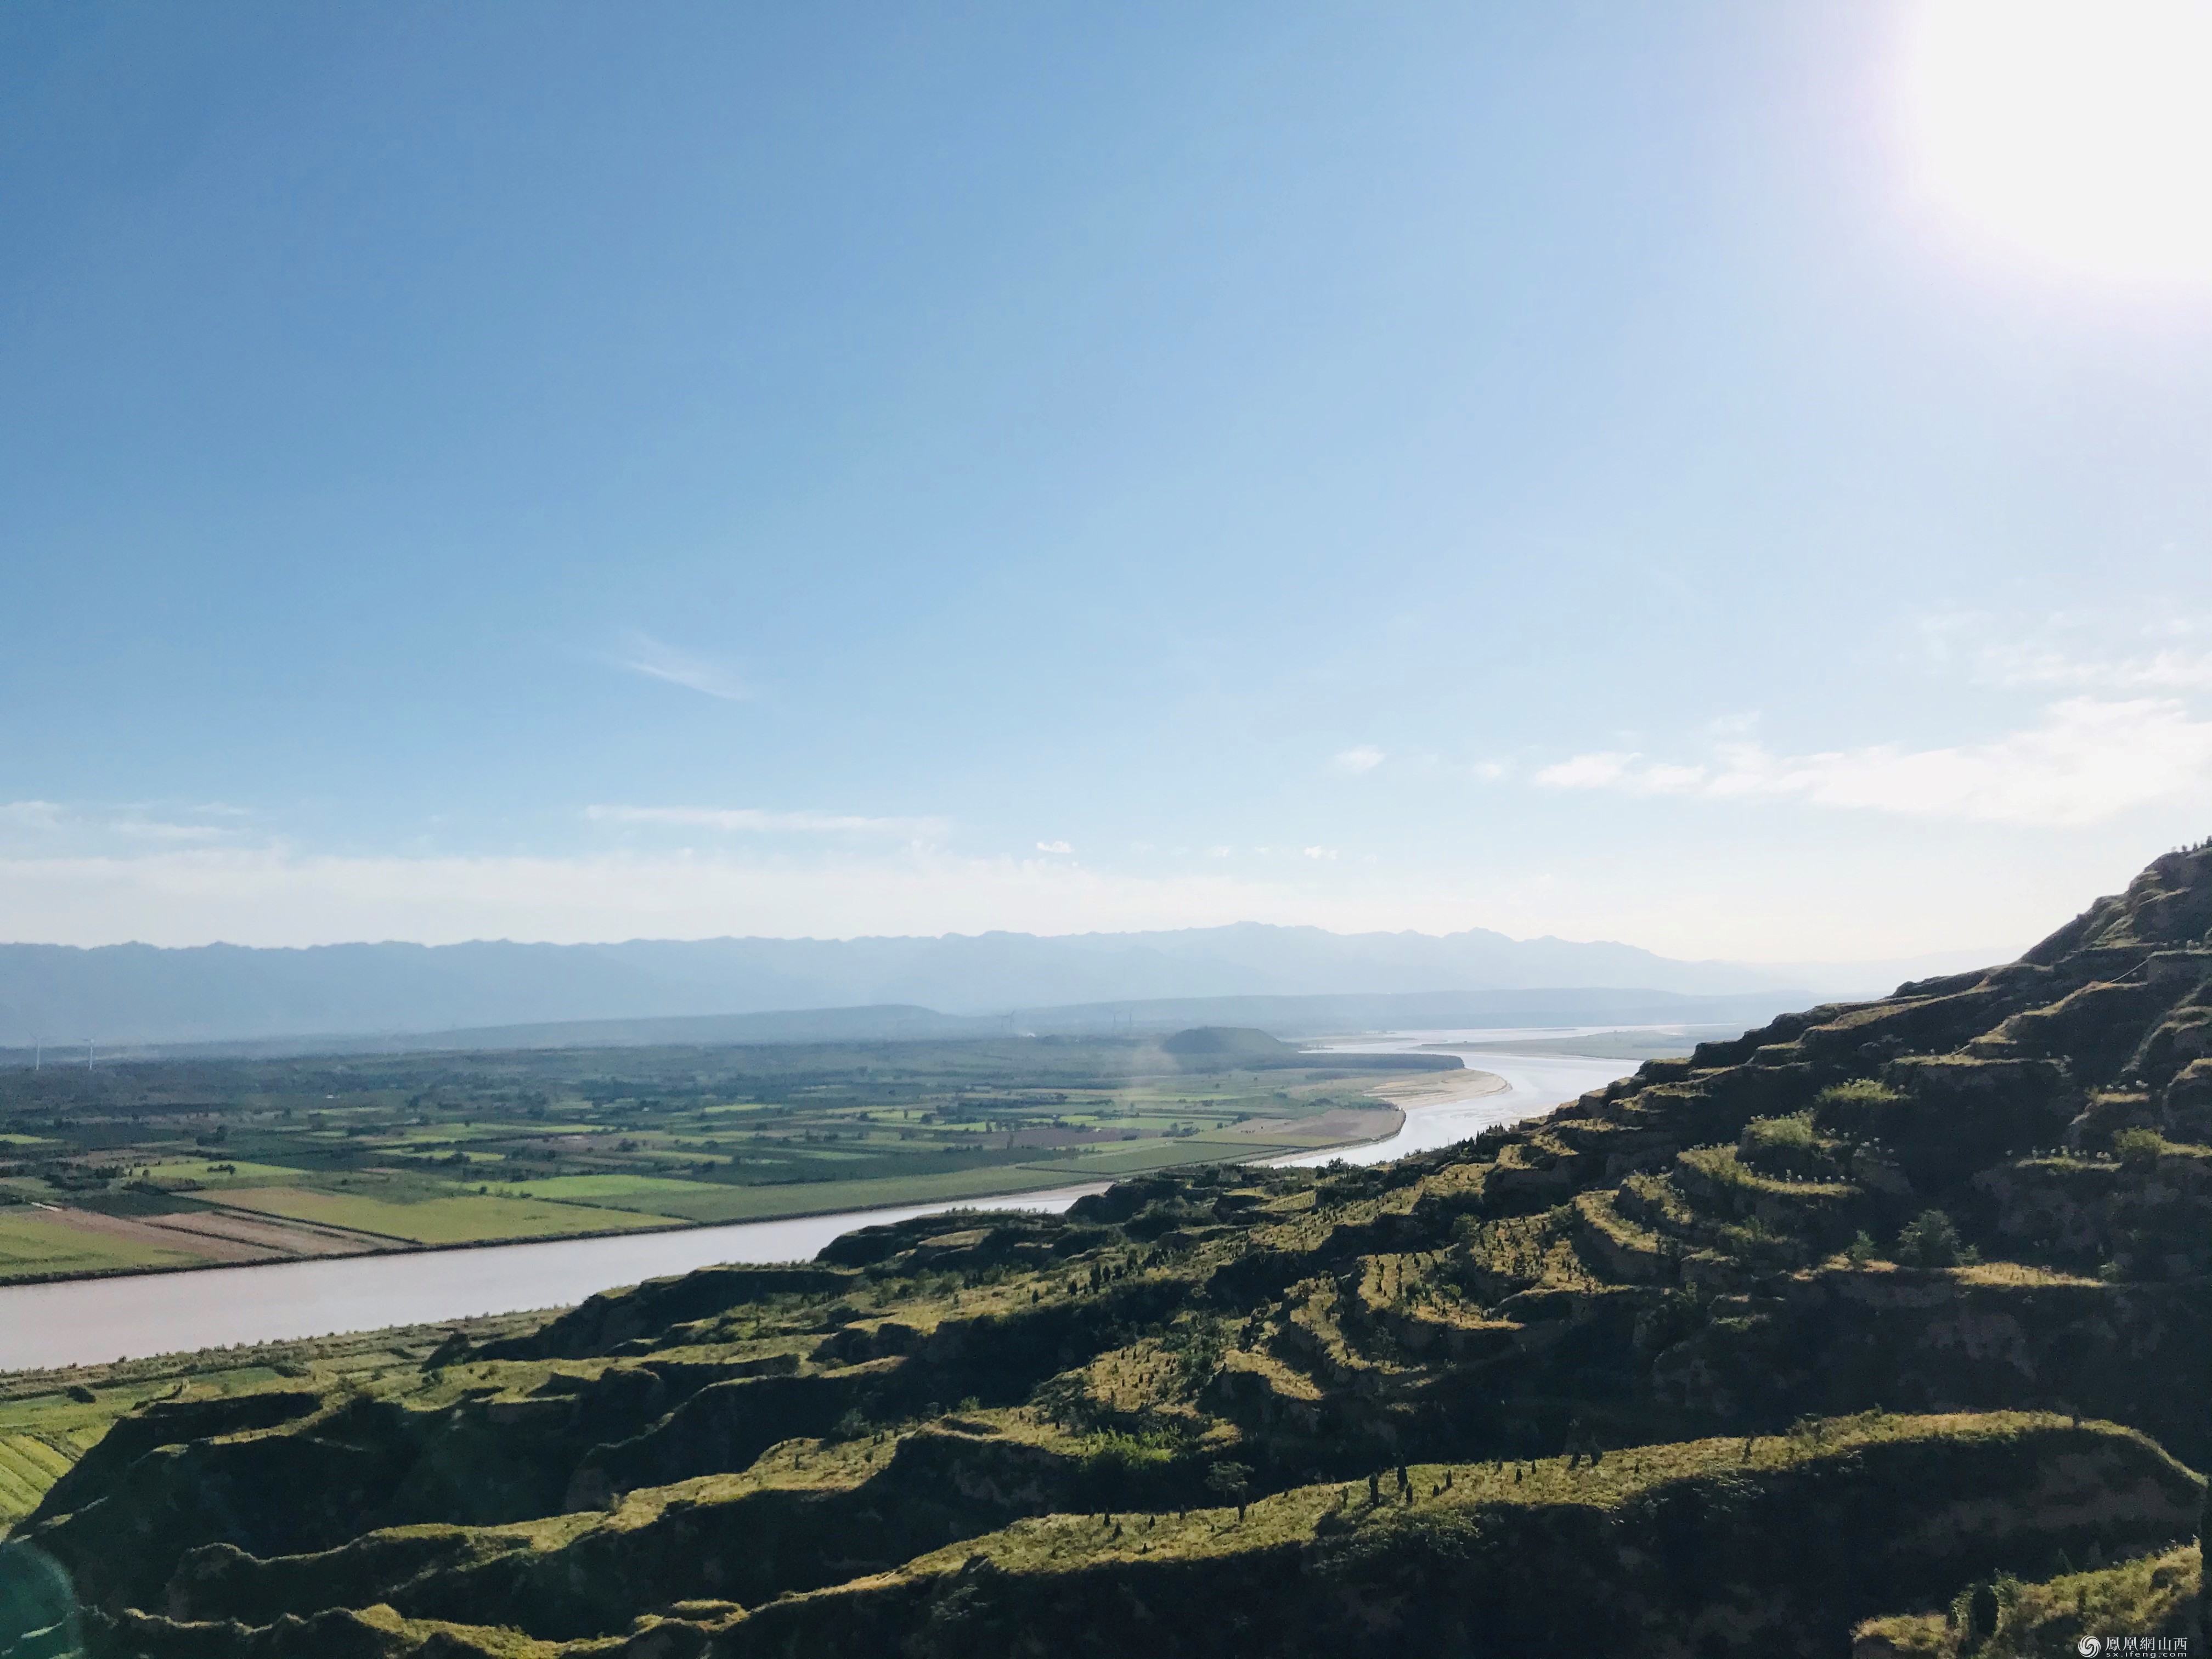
287,1238
218,1235
145,1233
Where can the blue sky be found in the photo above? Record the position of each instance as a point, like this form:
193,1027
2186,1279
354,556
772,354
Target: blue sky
586,472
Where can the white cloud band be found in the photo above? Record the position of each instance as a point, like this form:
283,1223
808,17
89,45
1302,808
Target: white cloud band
2089,759
276,896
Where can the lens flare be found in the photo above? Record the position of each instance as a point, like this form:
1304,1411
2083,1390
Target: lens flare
2078,132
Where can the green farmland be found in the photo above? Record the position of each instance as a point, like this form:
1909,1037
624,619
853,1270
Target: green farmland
164,1165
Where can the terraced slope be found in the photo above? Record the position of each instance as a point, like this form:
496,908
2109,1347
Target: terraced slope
1874,1309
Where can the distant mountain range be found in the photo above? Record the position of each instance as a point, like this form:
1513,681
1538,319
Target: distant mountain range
1291,1018
140,993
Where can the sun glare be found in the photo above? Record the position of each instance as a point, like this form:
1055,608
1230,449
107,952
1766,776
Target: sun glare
2076,131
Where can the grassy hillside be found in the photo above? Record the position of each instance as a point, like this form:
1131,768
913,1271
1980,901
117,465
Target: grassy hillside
49,1419
2002,1618
1882,1329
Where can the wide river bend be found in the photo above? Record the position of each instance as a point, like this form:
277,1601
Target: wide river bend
86,1322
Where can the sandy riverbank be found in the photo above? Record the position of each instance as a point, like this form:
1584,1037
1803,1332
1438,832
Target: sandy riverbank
1413,1089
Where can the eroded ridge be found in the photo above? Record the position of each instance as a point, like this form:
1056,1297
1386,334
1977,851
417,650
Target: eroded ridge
1876,1308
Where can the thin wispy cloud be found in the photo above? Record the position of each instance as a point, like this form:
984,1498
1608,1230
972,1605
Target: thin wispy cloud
156,830
2089,761
31,814
656,659
751,820
276,893
2156,671
2070,652
80,824
1362,757
282,896
1054,846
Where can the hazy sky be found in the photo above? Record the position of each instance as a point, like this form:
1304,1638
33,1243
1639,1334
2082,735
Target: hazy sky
1732,477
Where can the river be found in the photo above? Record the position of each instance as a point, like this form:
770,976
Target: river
1533,1083
86,1322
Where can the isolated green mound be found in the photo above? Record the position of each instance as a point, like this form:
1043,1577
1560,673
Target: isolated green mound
1878,1307
1226,1041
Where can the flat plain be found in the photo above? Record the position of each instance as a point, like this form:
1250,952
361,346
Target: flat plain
138,1166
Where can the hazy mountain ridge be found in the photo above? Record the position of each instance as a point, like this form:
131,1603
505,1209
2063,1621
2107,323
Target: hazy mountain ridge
1299,1017
219,992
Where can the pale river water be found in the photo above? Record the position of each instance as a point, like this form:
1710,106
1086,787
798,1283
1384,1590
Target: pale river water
88,1320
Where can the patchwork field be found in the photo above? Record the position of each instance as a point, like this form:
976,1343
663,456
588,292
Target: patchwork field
588,1188
186,1174
473,1219
177,1163
38,1244
708,1205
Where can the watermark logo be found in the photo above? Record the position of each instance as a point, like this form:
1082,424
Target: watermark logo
2133,1647
2089,1647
